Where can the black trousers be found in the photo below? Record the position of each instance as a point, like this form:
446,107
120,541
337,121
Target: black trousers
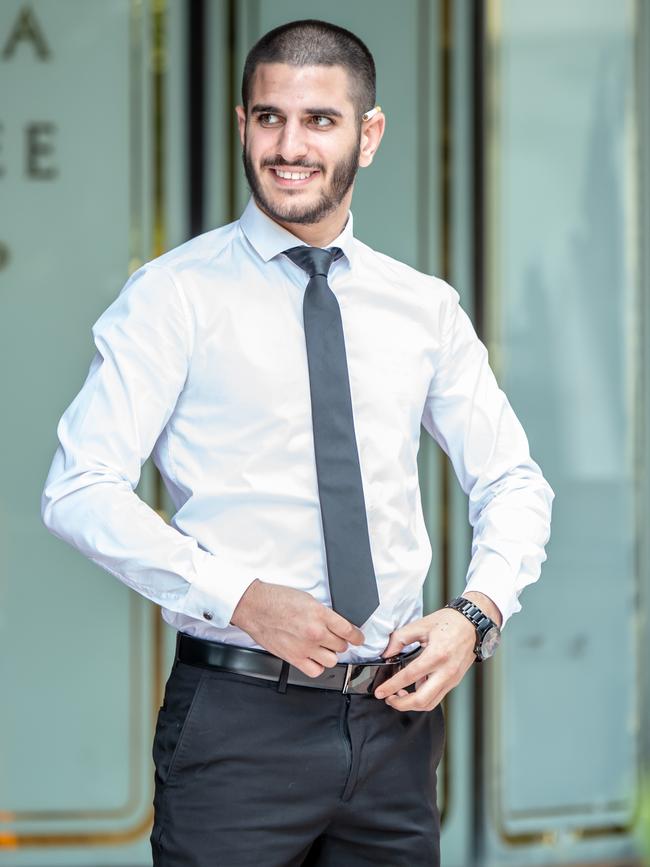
247,776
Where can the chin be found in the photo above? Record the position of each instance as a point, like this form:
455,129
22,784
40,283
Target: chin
292,208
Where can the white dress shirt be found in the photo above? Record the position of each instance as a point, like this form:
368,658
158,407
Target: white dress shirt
201,361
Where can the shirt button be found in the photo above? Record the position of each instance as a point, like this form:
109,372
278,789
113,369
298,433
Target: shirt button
207,615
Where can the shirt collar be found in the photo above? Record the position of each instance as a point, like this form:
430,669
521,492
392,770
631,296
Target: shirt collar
270,239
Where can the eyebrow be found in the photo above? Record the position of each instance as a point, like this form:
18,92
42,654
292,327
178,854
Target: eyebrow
259,108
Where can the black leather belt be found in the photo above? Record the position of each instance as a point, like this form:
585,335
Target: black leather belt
354,677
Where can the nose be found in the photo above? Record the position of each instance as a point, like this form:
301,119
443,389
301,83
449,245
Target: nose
292,143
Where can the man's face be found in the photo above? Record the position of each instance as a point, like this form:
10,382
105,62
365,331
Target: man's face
301,141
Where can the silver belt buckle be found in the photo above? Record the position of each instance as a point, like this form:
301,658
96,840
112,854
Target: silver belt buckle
349,680
348,676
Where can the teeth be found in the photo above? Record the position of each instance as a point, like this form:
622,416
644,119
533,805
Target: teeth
292,176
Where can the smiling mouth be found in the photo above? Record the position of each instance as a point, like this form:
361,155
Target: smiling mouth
292,177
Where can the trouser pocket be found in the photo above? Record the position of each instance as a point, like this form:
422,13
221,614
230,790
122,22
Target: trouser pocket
175,717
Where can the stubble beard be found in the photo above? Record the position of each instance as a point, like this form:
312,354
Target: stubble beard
343,175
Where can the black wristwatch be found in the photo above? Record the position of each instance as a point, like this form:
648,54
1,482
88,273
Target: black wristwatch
488,633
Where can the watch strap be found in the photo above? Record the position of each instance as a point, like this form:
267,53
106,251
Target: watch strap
477,617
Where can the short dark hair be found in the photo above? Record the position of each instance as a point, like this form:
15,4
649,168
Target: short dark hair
312,42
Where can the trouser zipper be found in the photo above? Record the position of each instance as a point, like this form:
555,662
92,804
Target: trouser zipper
347,743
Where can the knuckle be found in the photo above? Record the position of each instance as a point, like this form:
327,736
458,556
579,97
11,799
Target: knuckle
303,650
313,631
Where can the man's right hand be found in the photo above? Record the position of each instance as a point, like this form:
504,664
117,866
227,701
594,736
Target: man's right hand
294,626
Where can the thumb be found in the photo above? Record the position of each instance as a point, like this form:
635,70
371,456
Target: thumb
403,636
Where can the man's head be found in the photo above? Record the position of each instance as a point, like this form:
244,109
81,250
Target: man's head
305,88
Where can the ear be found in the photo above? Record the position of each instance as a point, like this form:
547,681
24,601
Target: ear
241,122
371,134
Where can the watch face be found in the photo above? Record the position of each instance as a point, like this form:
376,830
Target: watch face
490,642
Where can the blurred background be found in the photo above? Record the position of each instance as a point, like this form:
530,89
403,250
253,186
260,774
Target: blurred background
515,165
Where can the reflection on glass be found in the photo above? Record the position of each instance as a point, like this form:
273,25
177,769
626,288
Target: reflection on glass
564,318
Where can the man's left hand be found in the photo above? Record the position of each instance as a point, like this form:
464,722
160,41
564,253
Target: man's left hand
448,639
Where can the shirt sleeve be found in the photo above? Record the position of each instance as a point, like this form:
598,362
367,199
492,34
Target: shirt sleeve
144,344
471,419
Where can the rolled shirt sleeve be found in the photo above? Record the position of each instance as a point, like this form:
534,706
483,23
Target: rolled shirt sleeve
144,343
470,417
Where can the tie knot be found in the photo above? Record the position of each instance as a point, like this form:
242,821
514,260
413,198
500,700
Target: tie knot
313,260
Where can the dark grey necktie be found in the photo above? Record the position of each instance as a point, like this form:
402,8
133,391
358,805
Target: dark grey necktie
351,575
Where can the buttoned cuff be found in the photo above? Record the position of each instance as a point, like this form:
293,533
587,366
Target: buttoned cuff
215,588
493,578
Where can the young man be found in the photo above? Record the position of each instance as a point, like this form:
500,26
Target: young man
279,370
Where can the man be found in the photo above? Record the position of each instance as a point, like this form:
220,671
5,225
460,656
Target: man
279,371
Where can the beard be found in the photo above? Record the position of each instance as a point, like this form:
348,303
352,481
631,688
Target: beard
343,175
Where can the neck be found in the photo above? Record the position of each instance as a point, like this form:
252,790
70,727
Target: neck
320,234
317,234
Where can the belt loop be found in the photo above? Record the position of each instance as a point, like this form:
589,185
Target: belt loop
284,676
178,644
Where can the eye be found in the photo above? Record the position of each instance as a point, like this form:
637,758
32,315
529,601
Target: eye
269,119
321,121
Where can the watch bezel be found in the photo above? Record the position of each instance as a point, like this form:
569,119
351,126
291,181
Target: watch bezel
487,645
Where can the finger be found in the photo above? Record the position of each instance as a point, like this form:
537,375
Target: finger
420,667
395,645
309,667
334,642
428,695
324,656
343,628
403,636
